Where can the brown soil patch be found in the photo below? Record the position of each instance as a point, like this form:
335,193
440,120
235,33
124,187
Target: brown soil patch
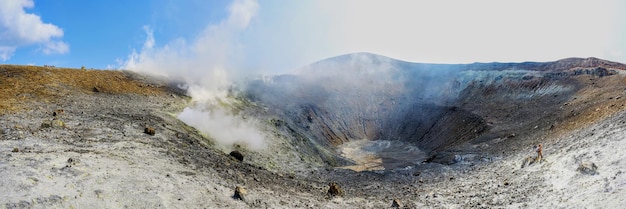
21,85
601,97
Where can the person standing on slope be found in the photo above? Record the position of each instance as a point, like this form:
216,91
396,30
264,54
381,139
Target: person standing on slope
539,152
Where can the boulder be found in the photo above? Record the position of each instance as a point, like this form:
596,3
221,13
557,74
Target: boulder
58,112
396,203
240,193
56,123
334,190
587,168
150,131
46,124
237,155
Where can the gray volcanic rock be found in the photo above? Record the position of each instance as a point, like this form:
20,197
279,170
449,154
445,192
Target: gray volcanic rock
435,107
363,121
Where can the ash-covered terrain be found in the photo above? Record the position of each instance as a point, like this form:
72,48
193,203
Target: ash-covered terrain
354,131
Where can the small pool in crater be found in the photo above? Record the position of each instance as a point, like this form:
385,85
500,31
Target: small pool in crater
380,154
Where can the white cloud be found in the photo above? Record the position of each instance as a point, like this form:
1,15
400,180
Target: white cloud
292,34
52,47
18,28
6,52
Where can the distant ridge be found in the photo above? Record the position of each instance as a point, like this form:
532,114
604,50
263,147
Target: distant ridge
558,65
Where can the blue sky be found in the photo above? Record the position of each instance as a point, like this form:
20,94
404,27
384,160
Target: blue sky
277,36
99,32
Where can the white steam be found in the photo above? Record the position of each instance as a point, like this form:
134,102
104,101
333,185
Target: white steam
224,127
207,65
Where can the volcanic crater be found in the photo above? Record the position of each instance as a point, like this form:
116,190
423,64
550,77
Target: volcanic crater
369,112
376,130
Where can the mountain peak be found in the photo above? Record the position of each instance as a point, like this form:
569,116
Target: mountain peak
364,59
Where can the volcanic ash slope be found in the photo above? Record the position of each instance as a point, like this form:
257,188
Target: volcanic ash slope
79,139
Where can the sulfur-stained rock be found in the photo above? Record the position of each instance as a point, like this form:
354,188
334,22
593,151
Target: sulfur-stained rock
58,123
55,123
240,193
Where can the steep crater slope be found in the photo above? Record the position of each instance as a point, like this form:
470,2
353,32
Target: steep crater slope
378,113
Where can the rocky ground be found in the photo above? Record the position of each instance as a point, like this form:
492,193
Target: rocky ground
88,144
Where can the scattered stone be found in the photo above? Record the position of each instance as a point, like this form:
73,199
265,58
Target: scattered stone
396,203
588,168
277,123
96,89
237,155
240,193
56,123
527,161
58,112
15,149
334,190
21,204
46,124
150,131
99,193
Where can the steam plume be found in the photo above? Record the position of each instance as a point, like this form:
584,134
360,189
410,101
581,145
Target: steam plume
206,65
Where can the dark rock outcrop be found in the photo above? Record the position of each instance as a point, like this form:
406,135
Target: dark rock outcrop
150,131
237,155
396,203
334,190
240,193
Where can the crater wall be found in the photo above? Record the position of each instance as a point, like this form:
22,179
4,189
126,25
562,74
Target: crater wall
435,107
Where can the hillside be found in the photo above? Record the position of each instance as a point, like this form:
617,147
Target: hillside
21,85
426,135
